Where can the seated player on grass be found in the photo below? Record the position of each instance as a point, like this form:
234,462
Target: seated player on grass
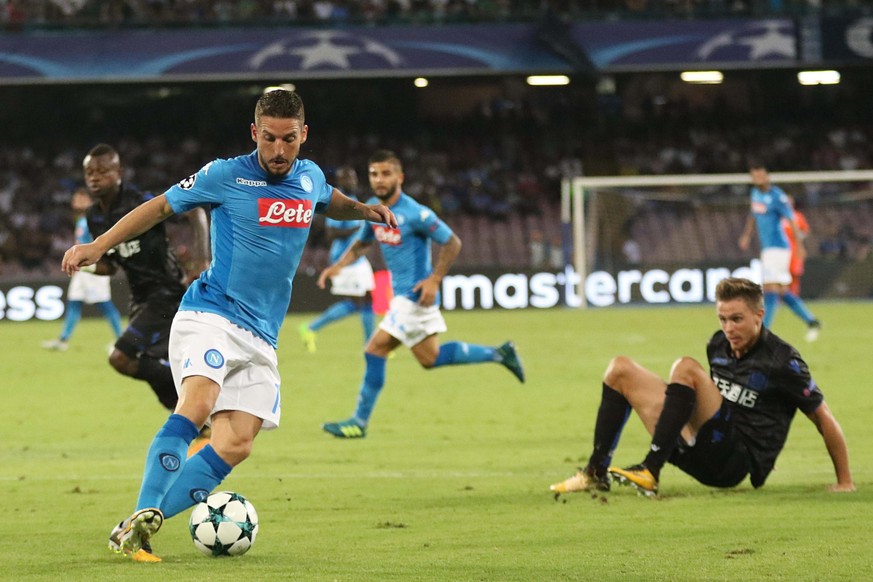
719,426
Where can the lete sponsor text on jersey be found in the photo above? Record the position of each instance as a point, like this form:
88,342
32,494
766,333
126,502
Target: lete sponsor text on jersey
388,236
285,213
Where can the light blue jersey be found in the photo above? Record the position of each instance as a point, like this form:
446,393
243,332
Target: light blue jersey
83,235
769,208
259,226
339,245
407,248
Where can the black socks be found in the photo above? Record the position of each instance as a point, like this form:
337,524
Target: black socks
678,406
611,418
160,378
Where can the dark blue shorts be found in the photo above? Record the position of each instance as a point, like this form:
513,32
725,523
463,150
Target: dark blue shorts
719,457
148,331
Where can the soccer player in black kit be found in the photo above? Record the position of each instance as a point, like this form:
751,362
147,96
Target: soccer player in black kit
720,426
155,277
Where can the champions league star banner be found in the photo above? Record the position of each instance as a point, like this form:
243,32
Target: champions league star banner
652,45
396,50
264,53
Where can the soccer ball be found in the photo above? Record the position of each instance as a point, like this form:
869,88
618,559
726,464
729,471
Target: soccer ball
224,525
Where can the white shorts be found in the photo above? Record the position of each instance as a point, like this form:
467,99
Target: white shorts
776,264
411,323
89,288
353,281
243,365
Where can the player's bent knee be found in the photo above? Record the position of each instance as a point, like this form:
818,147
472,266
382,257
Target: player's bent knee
688,371
121,363
619,368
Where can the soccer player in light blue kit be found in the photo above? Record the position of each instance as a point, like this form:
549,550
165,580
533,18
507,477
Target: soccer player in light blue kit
223,339
769,206
85,287
414,317
354,284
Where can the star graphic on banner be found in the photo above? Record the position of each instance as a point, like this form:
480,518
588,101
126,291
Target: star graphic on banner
324,52
324,48
772,42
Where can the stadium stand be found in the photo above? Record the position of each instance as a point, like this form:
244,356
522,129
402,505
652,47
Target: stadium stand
17,15
34,186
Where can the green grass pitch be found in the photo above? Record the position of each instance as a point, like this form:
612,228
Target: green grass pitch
452,481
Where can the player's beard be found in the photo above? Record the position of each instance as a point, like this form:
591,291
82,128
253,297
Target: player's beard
389,192
266,167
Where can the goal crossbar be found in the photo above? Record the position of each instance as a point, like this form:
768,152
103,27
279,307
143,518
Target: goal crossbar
719,179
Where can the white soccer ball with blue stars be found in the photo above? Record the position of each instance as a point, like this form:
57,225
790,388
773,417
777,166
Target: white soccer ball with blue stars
226,524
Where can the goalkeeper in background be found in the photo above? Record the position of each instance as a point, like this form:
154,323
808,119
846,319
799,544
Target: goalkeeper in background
769,205
798,262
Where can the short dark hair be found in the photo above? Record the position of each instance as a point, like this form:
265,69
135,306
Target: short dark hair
102,149
737,288
757,165
380,156
279,103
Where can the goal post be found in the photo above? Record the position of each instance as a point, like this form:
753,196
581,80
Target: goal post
595,211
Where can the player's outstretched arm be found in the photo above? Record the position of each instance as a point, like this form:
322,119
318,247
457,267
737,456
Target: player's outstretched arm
134,223
835,442
342,207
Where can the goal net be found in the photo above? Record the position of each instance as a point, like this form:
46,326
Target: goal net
671,238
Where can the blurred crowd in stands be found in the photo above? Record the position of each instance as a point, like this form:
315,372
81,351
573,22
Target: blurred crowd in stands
487,154
498,187
23,14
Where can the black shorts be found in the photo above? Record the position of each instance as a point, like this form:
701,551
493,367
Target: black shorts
148,331
719,457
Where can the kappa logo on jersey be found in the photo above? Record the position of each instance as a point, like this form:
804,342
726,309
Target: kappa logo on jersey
388,236
284,213
188,182
254,183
